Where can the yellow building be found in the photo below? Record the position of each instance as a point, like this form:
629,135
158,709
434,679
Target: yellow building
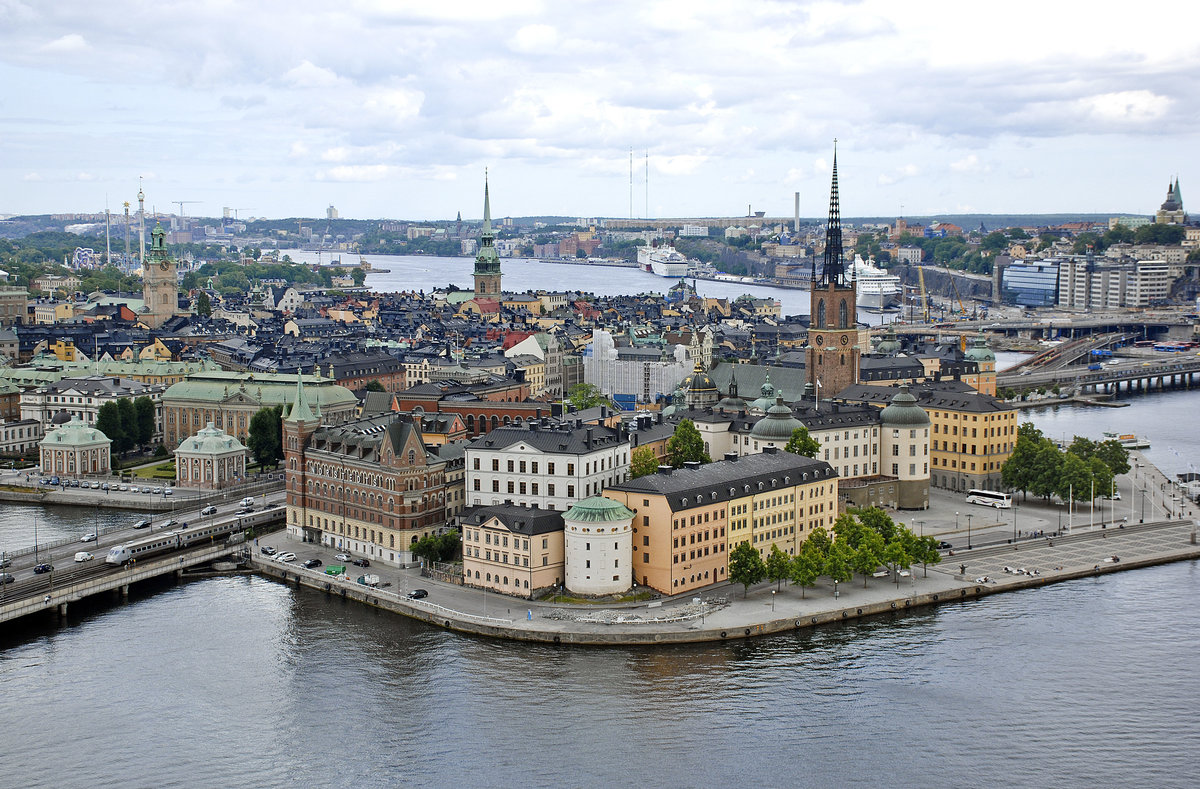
688,520
512,549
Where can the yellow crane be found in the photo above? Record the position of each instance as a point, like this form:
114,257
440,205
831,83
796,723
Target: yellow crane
924,294
962,308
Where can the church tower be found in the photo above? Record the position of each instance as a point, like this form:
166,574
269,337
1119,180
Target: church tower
1171,212
298,427
833,352
487,262
160,287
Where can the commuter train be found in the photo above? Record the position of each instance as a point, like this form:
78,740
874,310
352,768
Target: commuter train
172,540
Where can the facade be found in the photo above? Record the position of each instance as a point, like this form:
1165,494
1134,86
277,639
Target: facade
83,396
231,399
212,459
833,342
74,449
598,543
552,465
14,306
1030,284
487,262
512,549
160,286
687,520
1171,211
368,487
20,437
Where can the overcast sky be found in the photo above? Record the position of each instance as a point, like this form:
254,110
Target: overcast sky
393,109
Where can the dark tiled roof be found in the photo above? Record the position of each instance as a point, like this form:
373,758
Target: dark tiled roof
514,517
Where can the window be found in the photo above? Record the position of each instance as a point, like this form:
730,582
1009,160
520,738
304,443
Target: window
510,466
549,468
495,464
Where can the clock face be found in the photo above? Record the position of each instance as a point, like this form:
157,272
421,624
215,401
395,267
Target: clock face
819,340
845,339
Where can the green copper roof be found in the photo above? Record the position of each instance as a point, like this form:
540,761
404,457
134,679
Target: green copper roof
268,389
598,509
904,411
210,441
75,434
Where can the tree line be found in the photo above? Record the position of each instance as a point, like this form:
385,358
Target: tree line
1084,469
862,541
127,423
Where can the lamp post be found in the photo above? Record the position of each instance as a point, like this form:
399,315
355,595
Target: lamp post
969,531
1014,512
956,521
773,601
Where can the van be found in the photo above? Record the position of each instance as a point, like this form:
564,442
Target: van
248,501
84,556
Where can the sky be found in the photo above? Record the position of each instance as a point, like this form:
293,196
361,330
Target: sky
393,109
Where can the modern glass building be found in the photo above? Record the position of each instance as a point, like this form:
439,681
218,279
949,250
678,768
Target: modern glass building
1030,284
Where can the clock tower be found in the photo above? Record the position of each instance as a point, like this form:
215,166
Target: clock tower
832,356
487,262
160,287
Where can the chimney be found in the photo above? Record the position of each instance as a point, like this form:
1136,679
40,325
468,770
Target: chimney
770,450
604,412
731,456
665,470
658,418
691,464
589,438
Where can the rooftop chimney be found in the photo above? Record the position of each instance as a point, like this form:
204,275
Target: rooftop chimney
691,464
665,470
769,450
731,456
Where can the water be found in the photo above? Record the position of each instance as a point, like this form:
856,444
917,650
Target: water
18,522
242,682
415,272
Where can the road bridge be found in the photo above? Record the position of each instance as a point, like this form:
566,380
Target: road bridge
71,582
1134,375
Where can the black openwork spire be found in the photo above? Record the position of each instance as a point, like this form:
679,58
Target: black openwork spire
834,269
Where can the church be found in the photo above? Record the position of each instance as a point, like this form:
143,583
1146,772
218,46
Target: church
160,285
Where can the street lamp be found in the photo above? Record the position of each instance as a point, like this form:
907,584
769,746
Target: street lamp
968,531
773,601
956,521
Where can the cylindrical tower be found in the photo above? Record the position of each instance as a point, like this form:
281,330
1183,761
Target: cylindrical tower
598,542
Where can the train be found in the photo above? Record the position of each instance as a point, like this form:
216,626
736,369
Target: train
173,540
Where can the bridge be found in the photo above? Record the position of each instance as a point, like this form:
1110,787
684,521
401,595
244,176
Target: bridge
1134,374
30,592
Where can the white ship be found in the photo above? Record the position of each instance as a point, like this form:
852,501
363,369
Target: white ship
877,289
662,261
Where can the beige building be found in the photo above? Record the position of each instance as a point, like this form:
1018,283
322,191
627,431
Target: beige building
14,306
74,449
512,549
212,459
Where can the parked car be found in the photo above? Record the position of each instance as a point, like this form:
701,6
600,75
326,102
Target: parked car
417,594
267,550
132,488
42,568
96,485
88,537
105,486
311,563
144,523
122,487
944,546
157,491
83,556
286,557
6,578
209,510
360,563
342,557
74,483
168,491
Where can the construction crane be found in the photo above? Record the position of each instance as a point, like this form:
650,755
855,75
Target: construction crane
924,294
235,212
962,308
180,203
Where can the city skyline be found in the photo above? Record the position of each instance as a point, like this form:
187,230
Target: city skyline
394,111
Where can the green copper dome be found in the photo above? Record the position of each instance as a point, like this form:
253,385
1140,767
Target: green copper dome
979,351
904,411
778,424
598,509
889,345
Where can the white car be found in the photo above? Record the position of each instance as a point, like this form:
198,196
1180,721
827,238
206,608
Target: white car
168,491
132,488
122,487
286,557
84,556
88,537
209,510
342,557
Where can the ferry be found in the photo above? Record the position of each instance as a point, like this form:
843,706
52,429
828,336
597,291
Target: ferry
662,261
1128,440
877,289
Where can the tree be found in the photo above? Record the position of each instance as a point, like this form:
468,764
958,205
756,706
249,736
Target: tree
746,566
108,422
818,538
927,553
129,425
375,386
584,396
642,463
778,566
144,410
807,565
265,439
896,558
879,522
359,276
686,445
203,305
1074,479
837,562
868,555
802,444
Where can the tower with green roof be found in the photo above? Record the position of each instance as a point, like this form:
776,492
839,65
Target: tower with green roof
487,262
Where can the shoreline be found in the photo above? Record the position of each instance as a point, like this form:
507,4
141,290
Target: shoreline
733,616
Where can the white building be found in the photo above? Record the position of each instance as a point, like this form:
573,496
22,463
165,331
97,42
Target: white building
552,465
598,546
81,397
642,371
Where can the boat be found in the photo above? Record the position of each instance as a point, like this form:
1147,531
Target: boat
1128,440
877,289
662,261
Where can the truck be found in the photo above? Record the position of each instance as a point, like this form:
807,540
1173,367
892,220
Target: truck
369,580
335,569
1093,366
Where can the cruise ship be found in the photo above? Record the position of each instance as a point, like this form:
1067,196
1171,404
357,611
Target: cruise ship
877,289
662,261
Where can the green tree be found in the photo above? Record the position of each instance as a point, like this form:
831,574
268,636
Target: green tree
1074,479
868,555
144,414
129,425
807,566
427,548
848,529
927,553
375,386
642,462
1046,469
838,562
818,538
802,444
896,558
778,566
584,396
265,438
203,305
359,276
686,445
746,567
108,422
879,522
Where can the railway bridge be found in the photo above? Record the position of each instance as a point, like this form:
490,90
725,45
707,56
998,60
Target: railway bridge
1135,375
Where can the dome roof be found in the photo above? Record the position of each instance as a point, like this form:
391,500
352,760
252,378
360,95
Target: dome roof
598,509
979,351
889,345
904,411
210,441
778,424
767,396
61,418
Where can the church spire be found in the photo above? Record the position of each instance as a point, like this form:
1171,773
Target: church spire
487,261
487,206
300,411
833,270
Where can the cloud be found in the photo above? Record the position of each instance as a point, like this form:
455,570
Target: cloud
33,177
360,173
899,174
1125,107
70,43
968,164
534,38
307,75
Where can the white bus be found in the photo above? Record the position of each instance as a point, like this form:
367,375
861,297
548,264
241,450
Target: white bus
990,498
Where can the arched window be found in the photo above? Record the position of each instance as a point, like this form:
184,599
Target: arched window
843,316
820,314
495,421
